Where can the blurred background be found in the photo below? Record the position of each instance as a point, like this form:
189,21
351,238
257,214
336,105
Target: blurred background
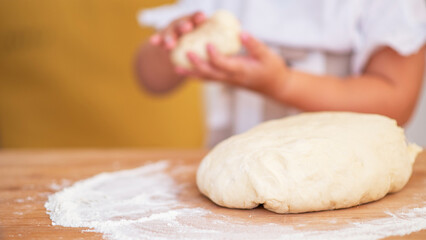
67,81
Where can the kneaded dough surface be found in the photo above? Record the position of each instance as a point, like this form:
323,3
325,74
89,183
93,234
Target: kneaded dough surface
309,162
221,29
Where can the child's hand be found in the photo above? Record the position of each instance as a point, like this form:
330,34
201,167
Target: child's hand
168,37
260,70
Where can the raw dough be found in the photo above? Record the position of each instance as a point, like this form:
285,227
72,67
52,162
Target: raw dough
309,162
222,30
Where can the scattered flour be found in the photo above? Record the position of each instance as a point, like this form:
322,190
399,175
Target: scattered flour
22,200
58,186
143,204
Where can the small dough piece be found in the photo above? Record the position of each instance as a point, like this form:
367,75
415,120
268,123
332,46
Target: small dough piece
222,30
309,162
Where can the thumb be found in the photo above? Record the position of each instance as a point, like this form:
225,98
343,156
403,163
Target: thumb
254,47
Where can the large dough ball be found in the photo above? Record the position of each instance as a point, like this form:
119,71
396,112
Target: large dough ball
222,30
309,162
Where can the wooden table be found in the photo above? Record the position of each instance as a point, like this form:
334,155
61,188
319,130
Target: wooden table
26,179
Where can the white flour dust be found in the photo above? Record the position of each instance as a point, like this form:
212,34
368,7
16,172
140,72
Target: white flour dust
56,186
143,204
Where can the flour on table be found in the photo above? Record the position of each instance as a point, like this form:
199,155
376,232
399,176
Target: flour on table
56,186
143,203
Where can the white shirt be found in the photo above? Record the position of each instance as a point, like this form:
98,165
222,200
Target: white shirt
318,36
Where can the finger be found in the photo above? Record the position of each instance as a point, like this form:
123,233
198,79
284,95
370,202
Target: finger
198,18
169,38
155,39
204,69
219,61
184,26
254,47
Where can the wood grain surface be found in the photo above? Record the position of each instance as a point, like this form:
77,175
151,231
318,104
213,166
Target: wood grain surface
28,177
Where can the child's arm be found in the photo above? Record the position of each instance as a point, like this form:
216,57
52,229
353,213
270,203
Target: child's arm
153,66
389,85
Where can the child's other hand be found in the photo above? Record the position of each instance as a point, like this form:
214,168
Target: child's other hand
260,70
168,37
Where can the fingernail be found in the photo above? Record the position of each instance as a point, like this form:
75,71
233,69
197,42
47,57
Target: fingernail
210,47
191,55
245,37
199,17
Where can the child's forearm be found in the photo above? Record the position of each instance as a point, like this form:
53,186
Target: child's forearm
390,85
365,93
155,70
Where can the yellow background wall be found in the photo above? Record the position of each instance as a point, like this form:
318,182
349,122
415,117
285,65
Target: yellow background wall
66,79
